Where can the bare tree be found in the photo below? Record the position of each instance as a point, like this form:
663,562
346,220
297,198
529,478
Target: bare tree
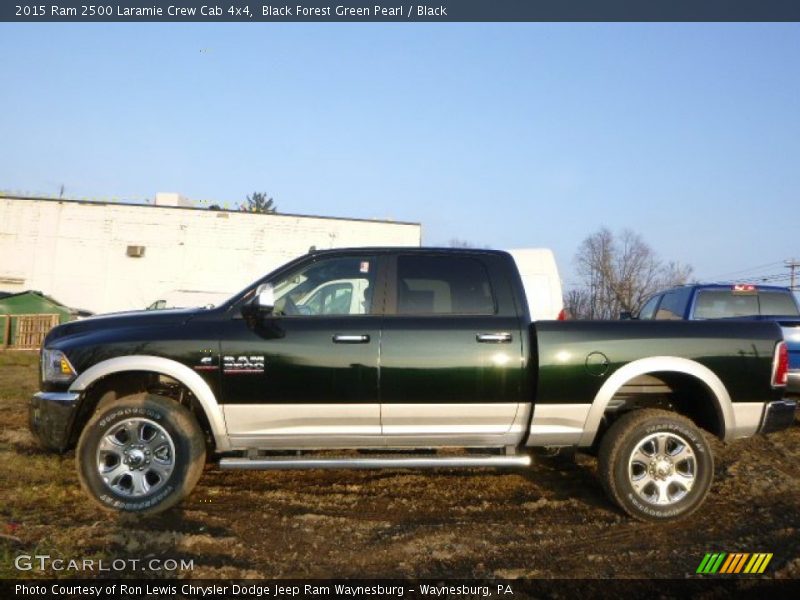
620,273
577,303
258,202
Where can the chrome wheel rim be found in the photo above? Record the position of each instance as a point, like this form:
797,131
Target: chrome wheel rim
662,468
136,457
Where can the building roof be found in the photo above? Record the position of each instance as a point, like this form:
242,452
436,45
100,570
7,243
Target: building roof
7,196
50,299
6,295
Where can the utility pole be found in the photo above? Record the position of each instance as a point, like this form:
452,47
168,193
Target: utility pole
792,265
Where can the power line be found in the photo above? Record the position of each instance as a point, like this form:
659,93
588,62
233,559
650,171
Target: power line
770,278
756,268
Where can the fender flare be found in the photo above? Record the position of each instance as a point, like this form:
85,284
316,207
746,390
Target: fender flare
654,364
171,368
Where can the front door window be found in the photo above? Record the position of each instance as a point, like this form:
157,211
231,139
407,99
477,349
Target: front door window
337,286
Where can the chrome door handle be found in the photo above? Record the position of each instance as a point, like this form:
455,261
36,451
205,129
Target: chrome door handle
351,339
494,338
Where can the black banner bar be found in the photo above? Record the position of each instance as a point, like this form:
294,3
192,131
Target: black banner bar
400,11
372,589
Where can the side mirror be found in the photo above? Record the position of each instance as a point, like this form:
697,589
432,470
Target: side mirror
262,303
265,298
626,315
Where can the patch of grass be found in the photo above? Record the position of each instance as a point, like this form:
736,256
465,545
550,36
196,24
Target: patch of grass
19,379
18,358
44,511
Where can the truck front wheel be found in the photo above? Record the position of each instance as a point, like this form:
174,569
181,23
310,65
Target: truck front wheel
656,465
140,454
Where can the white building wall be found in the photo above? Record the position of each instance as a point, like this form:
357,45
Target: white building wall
76,251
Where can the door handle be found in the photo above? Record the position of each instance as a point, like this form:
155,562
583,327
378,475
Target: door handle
351,339
494,338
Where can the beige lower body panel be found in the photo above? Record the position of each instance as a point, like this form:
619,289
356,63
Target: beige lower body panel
454,425
747,419
448,419
322,426
305,442
293,420
557,424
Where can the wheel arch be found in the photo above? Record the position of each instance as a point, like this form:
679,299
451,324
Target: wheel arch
206,399
716,389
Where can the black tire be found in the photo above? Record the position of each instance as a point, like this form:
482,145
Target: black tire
162,443
672,482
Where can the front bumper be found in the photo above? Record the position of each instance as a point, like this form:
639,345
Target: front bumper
778,415
50,417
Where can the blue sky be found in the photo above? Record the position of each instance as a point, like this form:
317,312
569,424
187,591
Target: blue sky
504,135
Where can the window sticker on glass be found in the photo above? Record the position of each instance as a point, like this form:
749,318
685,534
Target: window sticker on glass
364,266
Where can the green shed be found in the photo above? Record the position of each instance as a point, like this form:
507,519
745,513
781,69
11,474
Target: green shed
26,317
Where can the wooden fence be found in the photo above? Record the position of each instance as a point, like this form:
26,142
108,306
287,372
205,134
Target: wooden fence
28,330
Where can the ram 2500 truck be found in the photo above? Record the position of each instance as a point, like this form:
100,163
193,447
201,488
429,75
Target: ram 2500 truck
402,352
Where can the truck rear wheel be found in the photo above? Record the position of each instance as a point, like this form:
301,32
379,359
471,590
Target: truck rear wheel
656,465
140,454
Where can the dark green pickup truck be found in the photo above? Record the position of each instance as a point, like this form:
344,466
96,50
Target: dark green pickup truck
381,357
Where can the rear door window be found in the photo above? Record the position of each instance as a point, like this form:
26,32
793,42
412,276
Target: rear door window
443,285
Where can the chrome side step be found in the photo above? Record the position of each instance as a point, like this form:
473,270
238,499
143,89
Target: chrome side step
387,462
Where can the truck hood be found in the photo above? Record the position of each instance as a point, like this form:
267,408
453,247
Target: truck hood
118,320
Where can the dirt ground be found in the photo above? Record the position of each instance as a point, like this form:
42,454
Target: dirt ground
552,520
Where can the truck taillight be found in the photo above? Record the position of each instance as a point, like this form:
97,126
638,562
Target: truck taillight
780,365
562,316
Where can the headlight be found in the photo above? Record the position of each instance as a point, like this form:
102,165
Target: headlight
56,367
